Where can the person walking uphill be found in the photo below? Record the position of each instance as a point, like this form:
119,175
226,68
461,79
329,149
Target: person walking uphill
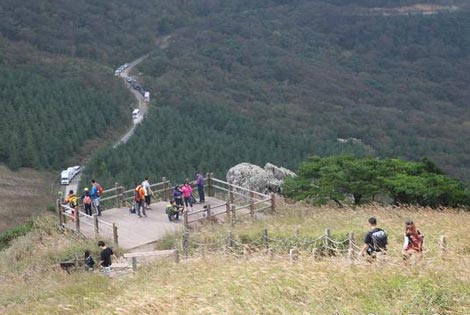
200,187
413,243
375,241
105,258
95,194
187,191
86,200
72,200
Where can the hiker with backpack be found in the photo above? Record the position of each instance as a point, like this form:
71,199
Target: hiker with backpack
413,243
72,201
148,191
376,240
96,193
178,196
139,198
86,200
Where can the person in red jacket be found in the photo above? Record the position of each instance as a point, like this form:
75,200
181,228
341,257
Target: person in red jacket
413,243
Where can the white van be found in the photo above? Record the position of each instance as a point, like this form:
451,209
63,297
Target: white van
136,113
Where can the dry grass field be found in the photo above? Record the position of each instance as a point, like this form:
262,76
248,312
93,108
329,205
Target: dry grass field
24,194
211,282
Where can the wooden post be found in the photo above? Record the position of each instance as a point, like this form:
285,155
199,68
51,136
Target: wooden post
209,185
208,211
227,209
350,245
293,255
116,186
233,217
134,263
273,202
443,245
165,189
185,219
327,240
97,228
252,204
76,214
185,243
59,213
177,256
229,239
265,238
230,194
115,235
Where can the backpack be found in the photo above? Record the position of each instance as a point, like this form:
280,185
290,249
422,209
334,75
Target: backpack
73,201
99,190
87,200
137,193
379,240
416,240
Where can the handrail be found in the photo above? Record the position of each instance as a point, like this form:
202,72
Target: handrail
239,187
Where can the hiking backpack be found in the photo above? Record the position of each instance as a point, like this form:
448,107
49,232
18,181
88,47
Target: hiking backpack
379,240
73,201
87,200
99,190
137,193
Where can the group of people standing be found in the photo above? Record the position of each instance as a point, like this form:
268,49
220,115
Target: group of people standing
90,200
376,241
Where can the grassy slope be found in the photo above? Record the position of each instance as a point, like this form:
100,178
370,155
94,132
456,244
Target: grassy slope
24,193
227,285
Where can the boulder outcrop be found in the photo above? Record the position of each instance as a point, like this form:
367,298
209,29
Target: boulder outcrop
263,180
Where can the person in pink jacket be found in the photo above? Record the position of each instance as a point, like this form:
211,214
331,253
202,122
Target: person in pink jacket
187,190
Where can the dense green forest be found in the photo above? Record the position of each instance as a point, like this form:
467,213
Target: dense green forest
50,110
397,86
256,81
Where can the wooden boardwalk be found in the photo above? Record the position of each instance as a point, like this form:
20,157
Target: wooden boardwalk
224,202
134,231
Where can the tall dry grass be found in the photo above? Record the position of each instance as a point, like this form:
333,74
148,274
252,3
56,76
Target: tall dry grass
258,284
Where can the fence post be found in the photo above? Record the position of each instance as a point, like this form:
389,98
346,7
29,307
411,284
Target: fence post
59,213
233,217
265,238
134,263
227,209
293,255
327,240
185,243
118,203
97,229
208,211
185,219
177,256
350,245
76,214
229,239
115,235
252,204
443,245
273,202
230,194
165,188
209,185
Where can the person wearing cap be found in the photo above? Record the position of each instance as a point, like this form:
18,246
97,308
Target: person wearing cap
413,242
86,201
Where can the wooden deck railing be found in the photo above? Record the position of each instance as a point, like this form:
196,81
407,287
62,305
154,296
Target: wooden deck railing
236,202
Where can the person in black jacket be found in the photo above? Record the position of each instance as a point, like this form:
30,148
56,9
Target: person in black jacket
375,240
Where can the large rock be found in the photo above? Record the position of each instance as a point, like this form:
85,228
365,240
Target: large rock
255,178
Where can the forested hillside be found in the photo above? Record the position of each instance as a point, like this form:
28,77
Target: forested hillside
260,81
302,74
